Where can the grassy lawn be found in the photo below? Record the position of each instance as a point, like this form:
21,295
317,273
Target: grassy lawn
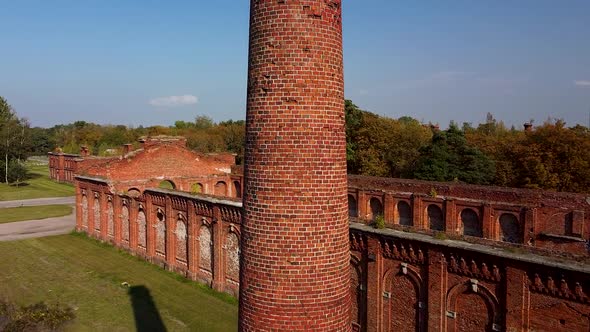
33,212
38,186
87,275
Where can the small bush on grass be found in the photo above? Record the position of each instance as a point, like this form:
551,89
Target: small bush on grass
35,317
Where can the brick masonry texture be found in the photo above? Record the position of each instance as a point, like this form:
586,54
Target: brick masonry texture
160,159
398,280
294,268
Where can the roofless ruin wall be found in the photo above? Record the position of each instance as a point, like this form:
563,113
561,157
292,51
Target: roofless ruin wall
399,281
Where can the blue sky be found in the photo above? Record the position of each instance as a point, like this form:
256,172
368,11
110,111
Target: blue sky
120,61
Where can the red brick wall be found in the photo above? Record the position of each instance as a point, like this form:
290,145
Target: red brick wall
550,221
295,248
398,281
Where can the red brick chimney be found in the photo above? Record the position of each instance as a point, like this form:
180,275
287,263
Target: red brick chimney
295,248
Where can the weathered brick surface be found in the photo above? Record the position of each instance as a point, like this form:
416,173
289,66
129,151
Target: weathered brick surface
295,260
398,281
549,221
159,159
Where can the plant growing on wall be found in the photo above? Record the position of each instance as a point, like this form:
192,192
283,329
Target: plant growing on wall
379,221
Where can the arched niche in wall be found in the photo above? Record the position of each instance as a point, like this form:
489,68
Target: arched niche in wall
470,223
435,218
197,188
402,303
160,232
141,229
206,248
357,292
376,207
404,214
96,210
509,228
133,192
110,217
232,257
181,238
221,188
125,223
472,307
84,211
167,184
352,207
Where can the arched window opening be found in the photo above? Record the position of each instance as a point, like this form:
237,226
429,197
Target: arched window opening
376,208
404,213
435,218
471,223
509,228
196,188
352,207
167,184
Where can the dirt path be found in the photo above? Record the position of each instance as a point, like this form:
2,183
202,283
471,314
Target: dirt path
37,228
39,201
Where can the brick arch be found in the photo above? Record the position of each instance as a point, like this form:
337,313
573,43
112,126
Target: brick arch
232,255
197,188
181,232
510,230
133,192
435,217
352,206
465,301
406,296
403,212
376,207
470,224
220,188
358,293
167,184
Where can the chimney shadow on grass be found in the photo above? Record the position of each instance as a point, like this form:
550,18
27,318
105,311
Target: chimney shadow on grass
147,317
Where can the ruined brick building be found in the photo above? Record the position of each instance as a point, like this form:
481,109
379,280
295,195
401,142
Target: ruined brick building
452,257
161,160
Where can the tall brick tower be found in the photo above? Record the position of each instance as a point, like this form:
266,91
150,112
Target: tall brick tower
295,248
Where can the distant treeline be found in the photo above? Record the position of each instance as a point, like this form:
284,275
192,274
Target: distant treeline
549,156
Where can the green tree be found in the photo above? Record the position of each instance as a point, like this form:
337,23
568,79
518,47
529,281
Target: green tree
450,158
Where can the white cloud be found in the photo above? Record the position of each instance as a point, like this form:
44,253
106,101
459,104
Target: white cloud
174,101
582,83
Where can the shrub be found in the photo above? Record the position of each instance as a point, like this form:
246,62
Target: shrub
35,317
379,222
440,236
17,172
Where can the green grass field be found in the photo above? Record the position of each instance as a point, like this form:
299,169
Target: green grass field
33,212
82,273
39,186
